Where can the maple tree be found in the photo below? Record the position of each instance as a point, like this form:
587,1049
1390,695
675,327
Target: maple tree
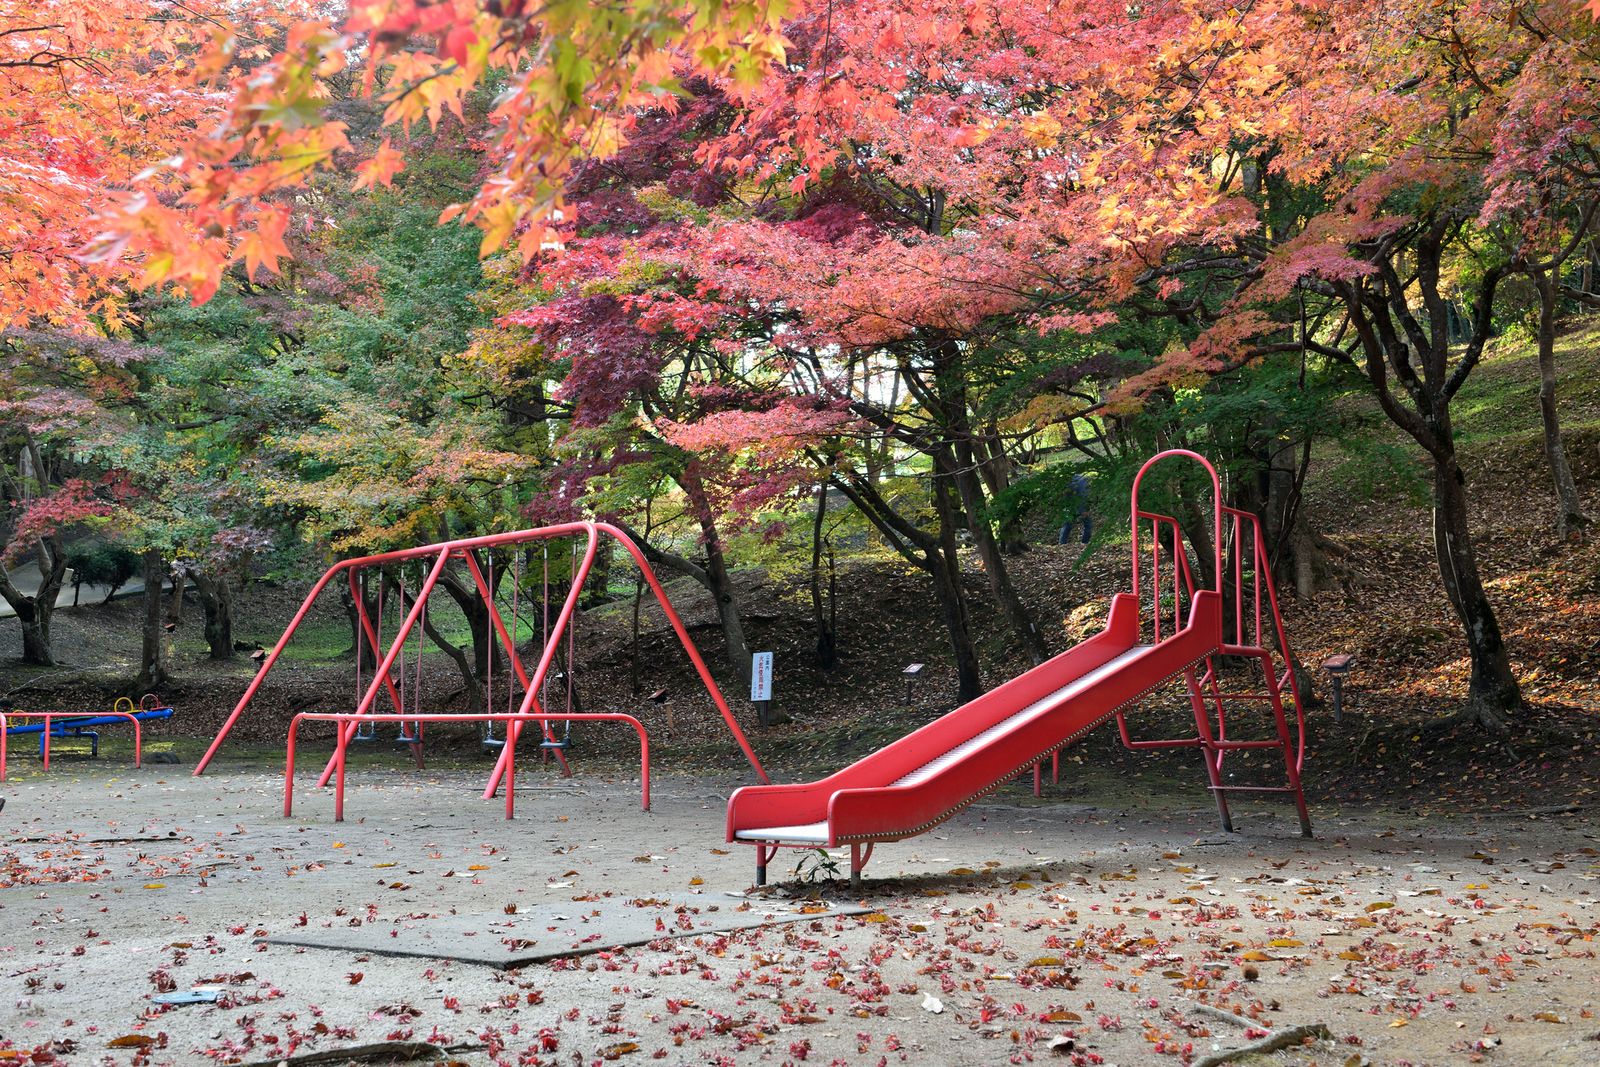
92,96
1073,202
643,401
567,74
56,391
1482,131
939,237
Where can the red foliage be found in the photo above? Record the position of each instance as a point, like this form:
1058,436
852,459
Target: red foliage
77,500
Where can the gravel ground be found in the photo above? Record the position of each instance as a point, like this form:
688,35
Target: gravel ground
1118,936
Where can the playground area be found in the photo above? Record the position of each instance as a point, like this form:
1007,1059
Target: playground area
795,533
1117,936
224,909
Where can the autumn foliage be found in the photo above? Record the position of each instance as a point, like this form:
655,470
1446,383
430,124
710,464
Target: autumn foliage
737,249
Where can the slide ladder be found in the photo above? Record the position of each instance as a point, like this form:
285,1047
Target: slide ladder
1165,628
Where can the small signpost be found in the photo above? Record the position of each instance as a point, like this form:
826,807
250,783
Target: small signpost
1337,667
662,697
912,672
761,686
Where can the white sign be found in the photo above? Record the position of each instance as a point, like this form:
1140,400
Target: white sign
761,676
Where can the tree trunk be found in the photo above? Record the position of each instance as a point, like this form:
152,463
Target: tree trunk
638,598
944,564
633,638
995,467
960,470
152,672
1570,519
180,580
716,577
216,599
1400,348
1493,694
35,612
822,621
35,635
1197,530
721,586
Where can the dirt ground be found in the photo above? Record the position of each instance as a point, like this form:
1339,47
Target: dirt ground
1115,934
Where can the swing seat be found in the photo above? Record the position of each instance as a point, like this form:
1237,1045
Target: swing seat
562,744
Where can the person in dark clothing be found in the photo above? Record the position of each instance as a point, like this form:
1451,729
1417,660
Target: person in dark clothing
1078,511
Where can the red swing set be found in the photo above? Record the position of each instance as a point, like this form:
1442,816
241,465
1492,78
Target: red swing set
527,696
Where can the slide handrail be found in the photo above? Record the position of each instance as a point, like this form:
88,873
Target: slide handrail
1243,533
1216,502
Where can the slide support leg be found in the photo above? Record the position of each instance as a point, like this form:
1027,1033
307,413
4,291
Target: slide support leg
858,860
1210,754
1290,763
763,854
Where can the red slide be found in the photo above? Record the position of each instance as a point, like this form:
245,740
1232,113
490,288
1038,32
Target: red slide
929,775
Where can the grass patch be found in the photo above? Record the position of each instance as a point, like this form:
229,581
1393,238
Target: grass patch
1500,401
327,639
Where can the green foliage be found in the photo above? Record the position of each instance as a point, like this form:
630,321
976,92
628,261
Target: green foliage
1377,469
1047,491
99,562
817,865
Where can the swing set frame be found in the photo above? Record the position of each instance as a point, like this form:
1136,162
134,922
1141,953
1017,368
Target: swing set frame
435,558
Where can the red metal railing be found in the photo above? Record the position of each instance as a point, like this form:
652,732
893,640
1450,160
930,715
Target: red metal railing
48,717
1262,604
343,742
531,710
1242,578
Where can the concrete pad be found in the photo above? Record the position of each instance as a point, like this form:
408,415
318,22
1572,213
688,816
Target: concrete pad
550,931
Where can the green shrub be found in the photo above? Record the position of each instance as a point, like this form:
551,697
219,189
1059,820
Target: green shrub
102,563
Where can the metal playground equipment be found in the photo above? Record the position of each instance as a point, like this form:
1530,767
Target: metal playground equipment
79,724
526,698
1165,628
